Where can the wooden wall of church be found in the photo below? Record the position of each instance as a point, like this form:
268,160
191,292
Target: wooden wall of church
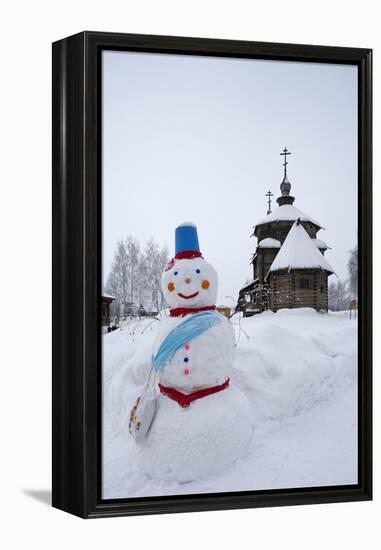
299,288
279,230
263,261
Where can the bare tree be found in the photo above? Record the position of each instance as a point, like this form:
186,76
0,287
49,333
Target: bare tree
338,296
353,271
118,280
142,282
135,277
156,261
133,255
163,260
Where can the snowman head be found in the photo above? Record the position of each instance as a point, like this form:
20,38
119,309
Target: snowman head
189,281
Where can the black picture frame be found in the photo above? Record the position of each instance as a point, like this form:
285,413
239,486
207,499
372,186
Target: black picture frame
77,283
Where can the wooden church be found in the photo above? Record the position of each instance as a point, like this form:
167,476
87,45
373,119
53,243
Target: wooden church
289,267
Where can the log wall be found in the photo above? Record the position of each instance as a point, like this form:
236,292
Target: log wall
263,261
279,230
287,291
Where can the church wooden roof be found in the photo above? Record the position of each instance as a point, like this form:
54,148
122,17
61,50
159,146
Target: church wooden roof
287,212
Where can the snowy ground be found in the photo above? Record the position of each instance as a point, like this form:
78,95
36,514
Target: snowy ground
298,369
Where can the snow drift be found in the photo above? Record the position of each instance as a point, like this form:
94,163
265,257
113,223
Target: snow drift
298,370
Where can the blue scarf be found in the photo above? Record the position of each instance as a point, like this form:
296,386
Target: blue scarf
186,331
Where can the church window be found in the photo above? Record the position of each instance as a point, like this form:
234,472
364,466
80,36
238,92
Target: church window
304,283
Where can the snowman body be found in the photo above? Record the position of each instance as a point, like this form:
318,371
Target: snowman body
211,433
203,362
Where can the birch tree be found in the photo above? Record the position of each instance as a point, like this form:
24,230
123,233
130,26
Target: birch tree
133,256
338,296
353,271
135,276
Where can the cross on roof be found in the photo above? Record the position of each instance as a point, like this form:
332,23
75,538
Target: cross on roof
284,153
269,195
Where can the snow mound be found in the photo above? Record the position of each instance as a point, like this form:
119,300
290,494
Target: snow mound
289,361
298,371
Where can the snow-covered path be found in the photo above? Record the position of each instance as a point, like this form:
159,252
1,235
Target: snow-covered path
298,370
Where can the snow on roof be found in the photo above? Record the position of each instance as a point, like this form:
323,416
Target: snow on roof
248,284
287,212
320,244
269,243
107,295
299,252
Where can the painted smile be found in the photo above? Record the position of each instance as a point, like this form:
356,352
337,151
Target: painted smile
187,297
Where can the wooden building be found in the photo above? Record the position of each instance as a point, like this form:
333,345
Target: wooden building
289,267
298,276
107,300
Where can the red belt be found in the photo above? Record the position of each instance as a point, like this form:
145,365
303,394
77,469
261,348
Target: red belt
185,399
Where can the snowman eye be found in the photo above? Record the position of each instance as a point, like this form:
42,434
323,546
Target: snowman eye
176,273
198,271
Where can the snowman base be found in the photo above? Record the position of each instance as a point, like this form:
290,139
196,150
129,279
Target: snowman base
199,441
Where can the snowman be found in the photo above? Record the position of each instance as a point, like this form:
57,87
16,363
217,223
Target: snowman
202,423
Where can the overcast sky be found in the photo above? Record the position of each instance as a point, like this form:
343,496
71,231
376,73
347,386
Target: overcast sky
189,138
